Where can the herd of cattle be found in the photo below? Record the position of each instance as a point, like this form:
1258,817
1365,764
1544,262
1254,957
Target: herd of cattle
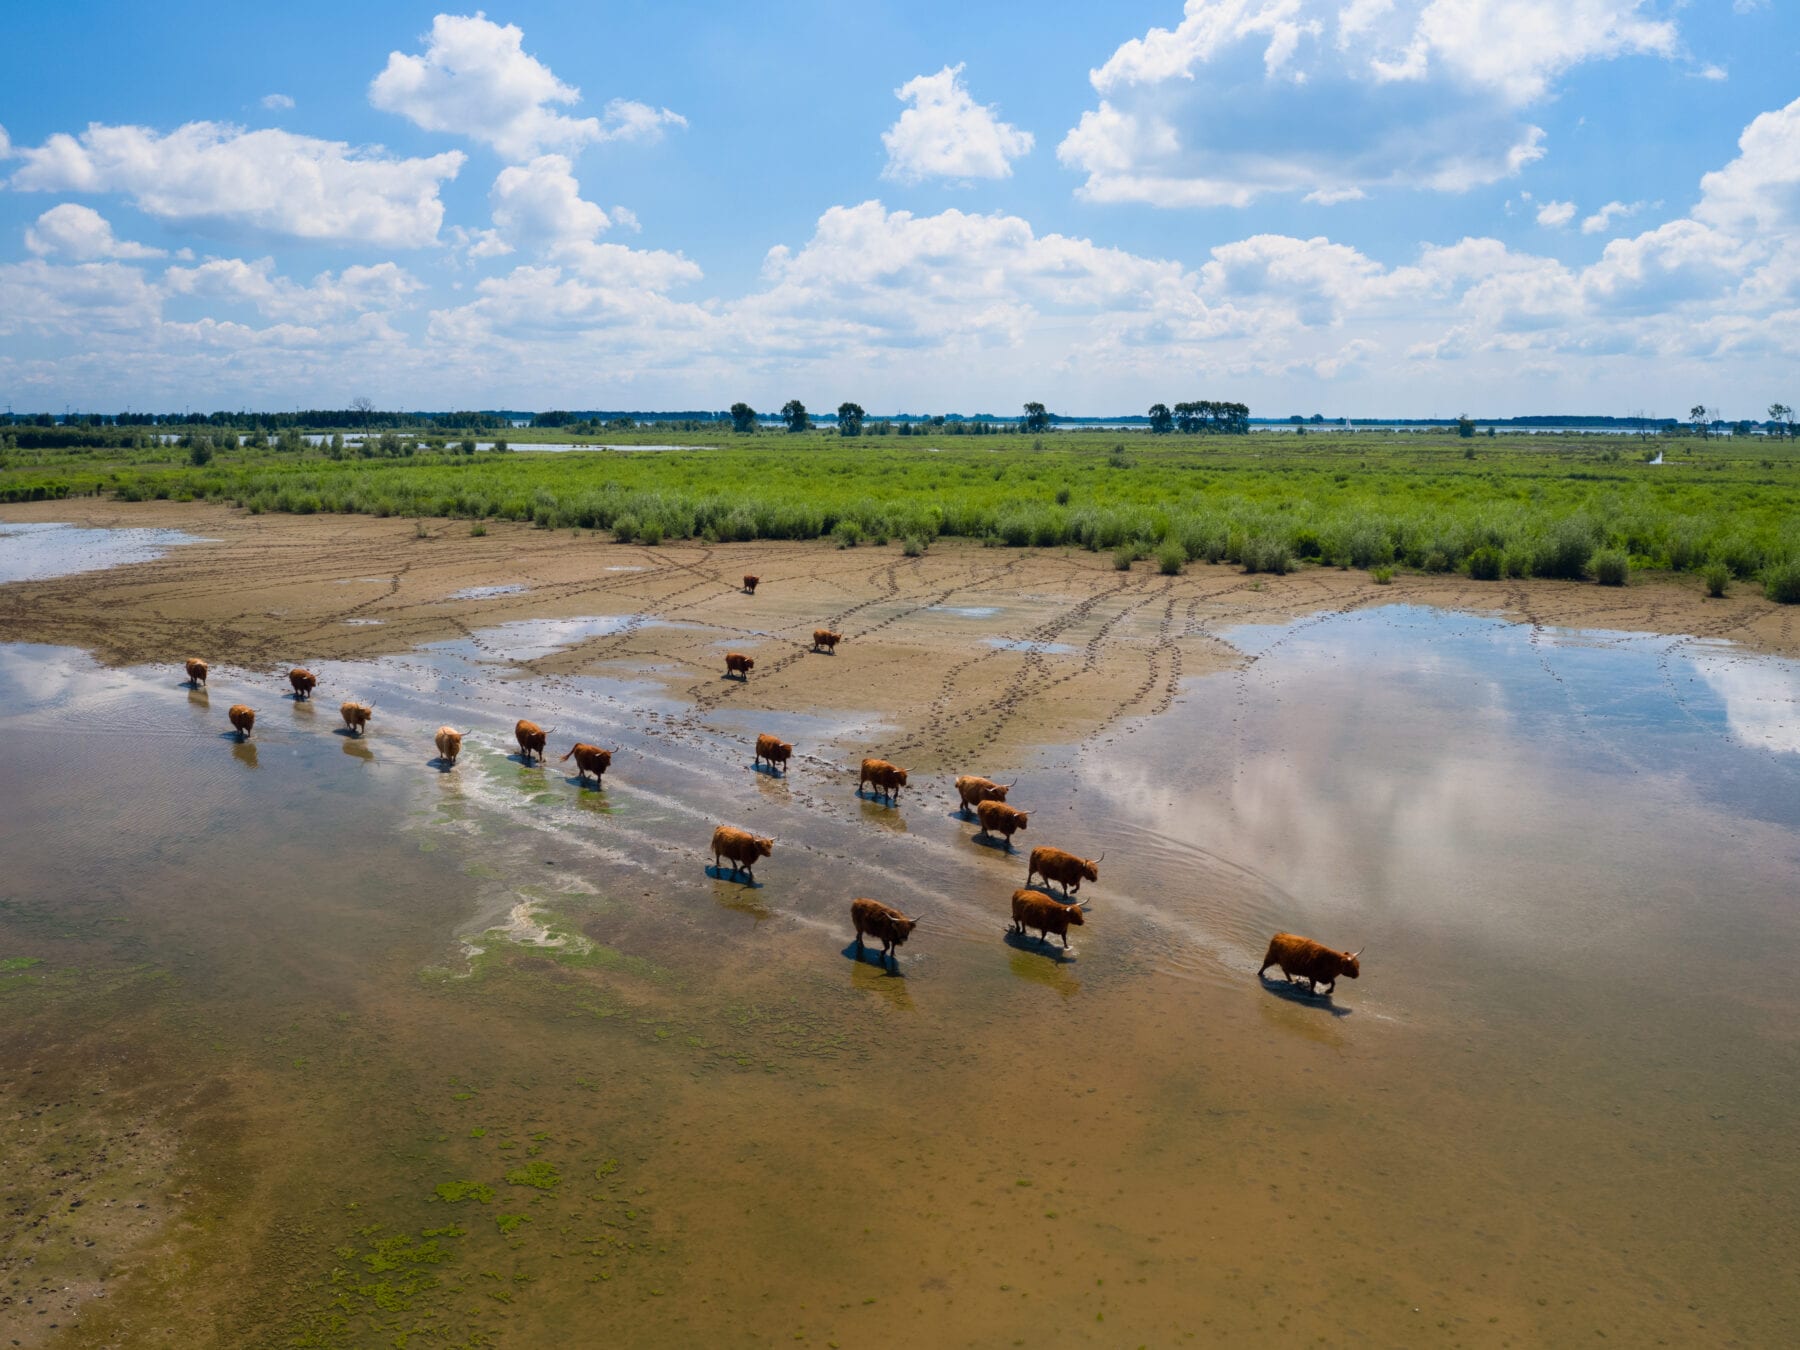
1033,910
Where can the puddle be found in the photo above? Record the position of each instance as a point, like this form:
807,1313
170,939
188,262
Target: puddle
529,639
41,549
543,1052
967,611
488,592
1034,648
363,623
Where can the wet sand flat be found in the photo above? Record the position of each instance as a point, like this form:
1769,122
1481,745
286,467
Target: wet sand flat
967,652
481,1055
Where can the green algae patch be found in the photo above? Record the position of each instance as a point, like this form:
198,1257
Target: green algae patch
455,1192
506,1223
9,963
540,1176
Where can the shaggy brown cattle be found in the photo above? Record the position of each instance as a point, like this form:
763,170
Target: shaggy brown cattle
196,672
243,719
776,752
1303,959
742,847
1034,909
882,922
531,738
1063,869
886,778
356,716
449,744
974,789
824,637
589,759
736,663
304,682
1001,819
750,583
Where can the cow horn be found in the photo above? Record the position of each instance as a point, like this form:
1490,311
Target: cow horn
1099,860
1358,952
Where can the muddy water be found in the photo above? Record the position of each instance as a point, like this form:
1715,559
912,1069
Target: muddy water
483,1055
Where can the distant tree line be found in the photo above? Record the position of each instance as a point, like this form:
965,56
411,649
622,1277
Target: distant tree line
1200,416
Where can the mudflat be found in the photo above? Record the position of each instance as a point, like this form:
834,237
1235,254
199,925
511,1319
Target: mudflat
965,650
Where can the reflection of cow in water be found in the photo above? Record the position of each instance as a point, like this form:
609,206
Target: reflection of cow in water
887,779
736,663
742,847
1034,909
1303,959
884,923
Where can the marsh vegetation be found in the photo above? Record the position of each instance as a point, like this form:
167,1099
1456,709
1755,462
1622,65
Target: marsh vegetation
1521,506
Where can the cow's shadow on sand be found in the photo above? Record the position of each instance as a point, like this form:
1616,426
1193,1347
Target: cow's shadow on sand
743,878
346,733
770,771
1032,945
584,783
441,764
525,761
870,955
1288,992
999,843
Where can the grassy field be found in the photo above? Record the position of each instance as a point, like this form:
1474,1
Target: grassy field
1519,505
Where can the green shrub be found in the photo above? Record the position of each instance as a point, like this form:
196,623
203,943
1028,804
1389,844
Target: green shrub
913,546
1563,550
1611,567
1781,583
1125,555
1486,564
1383,575
650,533
477,530
848,534
1264,554
1170,558
1437,561
1717,577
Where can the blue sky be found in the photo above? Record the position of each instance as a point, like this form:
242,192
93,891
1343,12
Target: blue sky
1360,207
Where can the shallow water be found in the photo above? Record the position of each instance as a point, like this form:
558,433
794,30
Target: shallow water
34,551
486,1052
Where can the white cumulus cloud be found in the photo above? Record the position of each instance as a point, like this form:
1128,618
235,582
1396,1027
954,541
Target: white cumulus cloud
1602,220
271,181
1556,214
277,102
475,79
1331,99
81,234
947,134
